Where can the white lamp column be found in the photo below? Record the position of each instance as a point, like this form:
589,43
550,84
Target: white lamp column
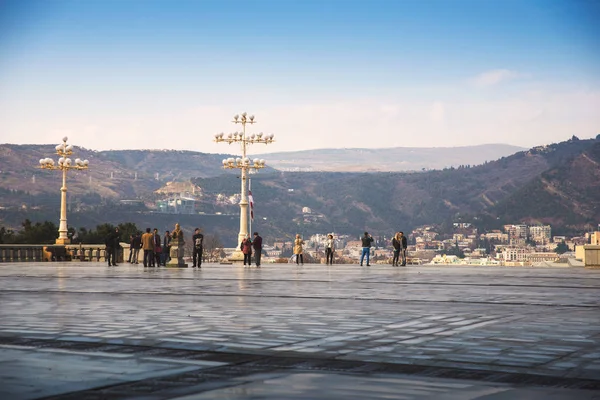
244,164
64,164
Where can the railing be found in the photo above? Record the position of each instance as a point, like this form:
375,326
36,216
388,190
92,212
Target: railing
40,252
21,252
87,252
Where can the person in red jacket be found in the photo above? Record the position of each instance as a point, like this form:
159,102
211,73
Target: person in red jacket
246,247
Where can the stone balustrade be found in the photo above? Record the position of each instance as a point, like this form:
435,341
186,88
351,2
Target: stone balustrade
41,252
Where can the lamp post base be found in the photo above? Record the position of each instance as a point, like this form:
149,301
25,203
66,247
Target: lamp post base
63,241
236,257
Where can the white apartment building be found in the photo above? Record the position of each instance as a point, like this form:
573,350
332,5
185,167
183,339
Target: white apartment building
514,254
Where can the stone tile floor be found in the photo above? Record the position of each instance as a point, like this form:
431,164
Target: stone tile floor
85,330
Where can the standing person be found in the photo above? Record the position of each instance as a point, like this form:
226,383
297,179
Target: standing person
246,247
397,245
257,244
137,244
130,248
112,246
108,249
298,249
166,249
198,240
366,248
157,249
403,249
329,249
148,247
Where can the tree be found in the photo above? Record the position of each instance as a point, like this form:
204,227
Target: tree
212,248
6,235
455,251
127,229
561,248
99,235
42,233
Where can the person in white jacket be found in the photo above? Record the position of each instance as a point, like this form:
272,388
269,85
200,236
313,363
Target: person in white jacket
329,249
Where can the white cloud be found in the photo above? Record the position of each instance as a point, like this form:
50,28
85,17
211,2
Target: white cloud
494,77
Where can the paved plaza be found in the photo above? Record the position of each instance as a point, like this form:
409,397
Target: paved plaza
88,331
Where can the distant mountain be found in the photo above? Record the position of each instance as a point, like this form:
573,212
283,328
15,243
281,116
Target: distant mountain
396,159
114,173
558,183
488,195
568,194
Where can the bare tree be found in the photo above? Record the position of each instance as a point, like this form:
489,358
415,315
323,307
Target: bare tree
213,248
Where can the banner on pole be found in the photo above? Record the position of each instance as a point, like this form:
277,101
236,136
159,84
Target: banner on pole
251,200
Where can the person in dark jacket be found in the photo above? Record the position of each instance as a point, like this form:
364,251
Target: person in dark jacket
130,248
403,249
257,245
136,244
157,248
112,246
166,249
198,241
366,248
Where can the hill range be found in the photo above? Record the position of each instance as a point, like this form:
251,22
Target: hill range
557,184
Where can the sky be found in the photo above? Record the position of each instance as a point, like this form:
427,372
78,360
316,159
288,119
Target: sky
133,74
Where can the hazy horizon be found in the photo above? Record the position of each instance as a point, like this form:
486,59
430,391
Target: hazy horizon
283,151
319,75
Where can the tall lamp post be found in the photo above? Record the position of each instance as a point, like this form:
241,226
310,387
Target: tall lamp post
64,164
244,164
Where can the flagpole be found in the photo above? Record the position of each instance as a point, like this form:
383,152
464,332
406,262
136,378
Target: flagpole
250,213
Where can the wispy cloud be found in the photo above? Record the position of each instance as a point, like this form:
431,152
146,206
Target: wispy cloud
494,77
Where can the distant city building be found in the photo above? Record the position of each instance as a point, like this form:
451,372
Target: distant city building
517,234
514,254
496,236
132,204
541,257
540,234
177,205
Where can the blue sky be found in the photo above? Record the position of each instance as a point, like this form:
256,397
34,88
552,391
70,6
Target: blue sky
317,74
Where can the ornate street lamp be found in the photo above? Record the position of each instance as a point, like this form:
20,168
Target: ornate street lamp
244,164
64,164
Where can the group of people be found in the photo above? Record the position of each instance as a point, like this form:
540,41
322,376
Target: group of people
298,249
399,243
156,251
248,246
